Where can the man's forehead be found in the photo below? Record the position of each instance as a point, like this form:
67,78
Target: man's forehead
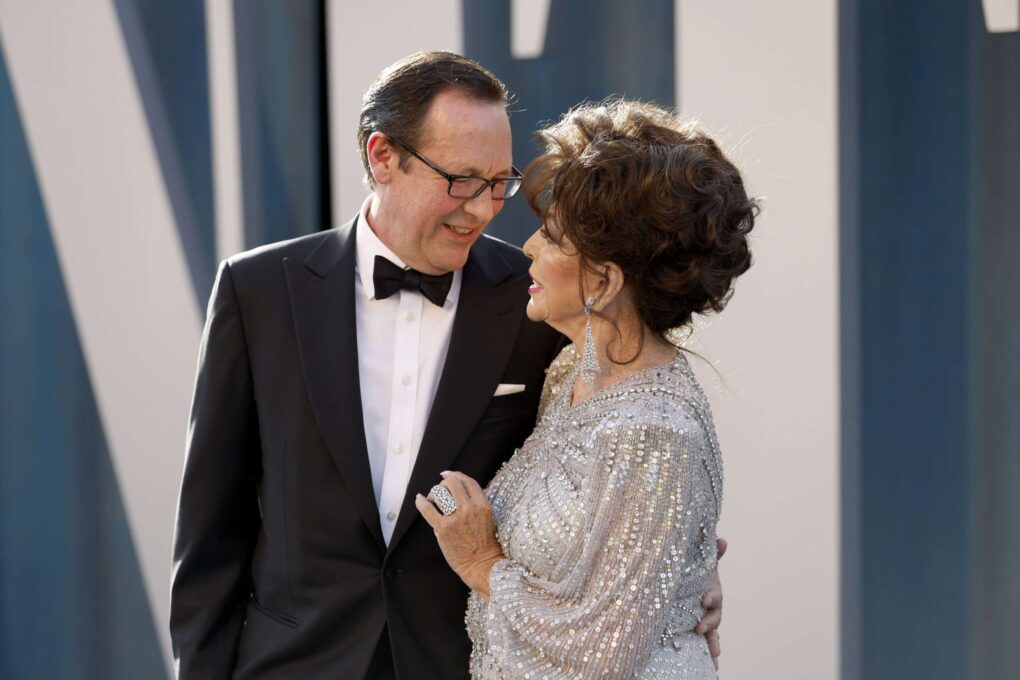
454,104
471,136
452,117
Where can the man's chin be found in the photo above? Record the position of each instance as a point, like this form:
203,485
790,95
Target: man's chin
452,259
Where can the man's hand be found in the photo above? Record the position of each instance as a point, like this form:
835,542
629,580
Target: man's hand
712,602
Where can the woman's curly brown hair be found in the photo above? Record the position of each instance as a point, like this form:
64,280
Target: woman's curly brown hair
634,184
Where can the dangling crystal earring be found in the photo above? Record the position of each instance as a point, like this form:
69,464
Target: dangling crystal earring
590,359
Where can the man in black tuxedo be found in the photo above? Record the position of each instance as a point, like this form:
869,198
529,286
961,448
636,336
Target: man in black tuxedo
339,374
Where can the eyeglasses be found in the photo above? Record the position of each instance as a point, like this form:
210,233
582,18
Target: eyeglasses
468,186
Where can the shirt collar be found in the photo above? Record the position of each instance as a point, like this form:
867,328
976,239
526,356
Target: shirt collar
367,245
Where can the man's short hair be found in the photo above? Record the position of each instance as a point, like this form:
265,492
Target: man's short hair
398,101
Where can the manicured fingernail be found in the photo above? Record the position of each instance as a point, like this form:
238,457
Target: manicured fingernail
444,473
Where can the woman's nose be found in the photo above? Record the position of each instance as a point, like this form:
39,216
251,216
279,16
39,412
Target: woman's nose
530,246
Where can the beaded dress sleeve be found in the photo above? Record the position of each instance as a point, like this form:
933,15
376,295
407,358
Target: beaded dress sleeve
607,516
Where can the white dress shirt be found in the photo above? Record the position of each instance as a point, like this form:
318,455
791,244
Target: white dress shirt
402,344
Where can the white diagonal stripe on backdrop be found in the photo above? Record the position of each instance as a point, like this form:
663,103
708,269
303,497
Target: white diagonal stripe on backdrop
225,127
529,21
1001,16
119,251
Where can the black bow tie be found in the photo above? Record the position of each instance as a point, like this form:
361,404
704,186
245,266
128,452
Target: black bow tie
389,278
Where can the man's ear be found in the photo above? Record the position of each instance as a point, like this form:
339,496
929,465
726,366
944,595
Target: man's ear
383,159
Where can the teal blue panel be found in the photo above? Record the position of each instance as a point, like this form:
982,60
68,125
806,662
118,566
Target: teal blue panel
281,73
930,338
72,603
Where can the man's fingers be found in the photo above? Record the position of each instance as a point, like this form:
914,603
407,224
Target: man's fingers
713,646
712,601
428,511
713,598
710,622
720,547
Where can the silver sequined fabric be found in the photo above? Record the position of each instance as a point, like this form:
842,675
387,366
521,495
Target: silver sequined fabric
607,516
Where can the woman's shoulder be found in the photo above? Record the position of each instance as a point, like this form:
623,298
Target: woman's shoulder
667,402
565,362
556,376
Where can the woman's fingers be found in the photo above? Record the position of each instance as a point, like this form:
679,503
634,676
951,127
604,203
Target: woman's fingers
468,482
472,489
467,535
428,510
455,485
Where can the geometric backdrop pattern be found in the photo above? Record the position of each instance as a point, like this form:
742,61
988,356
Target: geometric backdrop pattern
930,329
72,603
73,597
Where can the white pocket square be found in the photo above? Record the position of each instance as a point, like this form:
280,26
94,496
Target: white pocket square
508,388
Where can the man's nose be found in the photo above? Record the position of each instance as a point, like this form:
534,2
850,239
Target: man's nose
480,207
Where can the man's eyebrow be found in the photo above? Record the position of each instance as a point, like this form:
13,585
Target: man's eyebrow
475,172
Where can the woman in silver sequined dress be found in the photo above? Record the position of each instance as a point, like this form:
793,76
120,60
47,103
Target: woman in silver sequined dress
588,553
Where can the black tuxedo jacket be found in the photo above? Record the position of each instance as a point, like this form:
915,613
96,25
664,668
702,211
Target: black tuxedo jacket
280,569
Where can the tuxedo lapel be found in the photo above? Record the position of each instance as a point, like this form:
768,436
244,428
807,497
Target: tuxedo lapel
322,303
484,331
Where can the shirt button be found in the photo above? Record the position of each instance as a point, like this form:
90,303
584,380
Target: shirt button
399,448
406,380
409,317
391,515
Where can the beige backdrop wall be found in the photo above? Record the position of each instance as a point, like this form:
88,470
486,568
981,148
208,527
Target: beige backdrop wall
763,77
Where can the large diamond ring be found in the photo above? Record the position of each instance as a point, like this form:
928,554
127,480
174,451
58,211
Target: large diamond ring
443,499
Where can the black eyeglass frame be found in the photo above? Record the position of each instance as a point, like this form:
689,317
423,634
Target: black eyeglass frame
514,181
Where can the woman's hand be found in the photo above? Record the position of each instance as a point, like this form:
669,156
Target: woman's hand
467,536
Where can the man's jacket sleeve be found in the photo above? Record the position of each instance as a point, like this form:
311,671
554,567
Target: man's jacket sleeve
217,513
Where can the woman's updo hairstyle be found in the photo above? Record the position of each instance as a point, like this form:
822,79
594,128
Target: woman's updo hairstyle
634,184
